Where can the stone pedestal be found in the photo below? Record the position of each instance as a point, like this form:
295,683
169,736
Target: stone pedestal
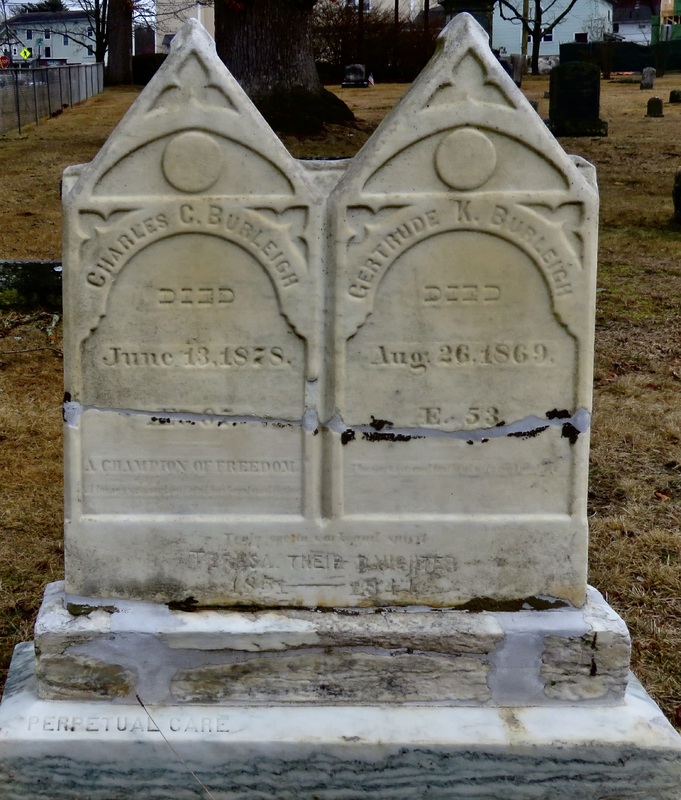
70,750
122,650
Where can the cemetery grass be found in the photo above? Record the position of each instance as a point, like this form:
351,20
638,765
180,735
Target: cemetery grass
635,483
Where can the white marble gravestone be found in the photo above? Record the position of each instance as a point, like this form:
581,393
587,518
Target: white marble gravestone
278,398
326,439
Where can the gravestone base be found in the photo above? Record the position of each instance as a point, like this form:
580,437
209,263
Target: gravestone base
93,649
69,750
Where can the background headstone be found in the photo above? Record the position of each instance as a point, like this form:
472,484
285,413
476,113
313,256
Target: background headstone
355,77
675,96
648,78
655,107
574,103
518,62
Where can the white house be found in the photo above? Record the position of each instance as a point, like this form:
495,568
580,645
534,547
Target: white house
633,24
588,21
61,37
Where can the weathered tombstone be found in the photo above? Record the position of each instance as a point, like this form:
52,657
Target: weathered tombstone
353,387
655,107
355,77
518,62
574,104
675,96
648,78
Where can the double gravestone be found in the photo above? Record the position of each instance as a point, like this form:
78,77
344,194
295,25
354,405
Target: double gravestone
326,461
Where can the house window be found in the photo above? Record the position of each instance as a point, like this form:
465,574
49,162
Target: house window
90,51
48,52
89,33
547,37
66,41
616,27
29,35
48,34
582,37
15,51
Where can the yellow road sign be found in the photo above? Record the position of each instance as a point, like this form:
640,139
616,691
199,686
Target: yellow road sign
25,53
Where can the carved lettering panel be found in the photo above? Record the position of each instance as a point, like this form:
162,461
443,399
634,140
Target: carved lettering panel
463,338
193,324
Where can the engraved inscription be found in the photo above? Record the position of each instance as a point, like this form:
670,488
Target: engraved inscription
519,226
255,357
185,466
482,416
244,227
514,223
418,360
460,294
317,560
389,247
127,724
111,258
195,296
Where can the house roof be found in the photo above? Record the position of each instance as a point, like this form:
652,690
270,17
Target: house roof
640,14
37,18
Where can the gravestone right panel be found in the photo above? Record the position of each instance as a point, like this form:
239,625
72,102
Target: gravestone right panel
463,345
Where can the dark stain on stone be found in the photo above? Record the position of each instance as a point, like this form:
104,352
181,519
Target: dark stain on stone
594,669
67,399
469,441
388,437
331,690
188,604
556,414
83,610
528,434
348,435
315,431
570,432
161,420
500,424
484,441
379,424
522,604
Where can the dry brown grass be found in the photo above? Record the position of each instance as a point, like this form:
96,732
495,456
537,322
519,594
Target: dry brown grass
635,489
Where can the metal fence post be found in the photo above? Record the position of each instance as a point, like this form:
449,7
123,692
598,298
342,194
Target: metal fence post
16,95
47,84
35,96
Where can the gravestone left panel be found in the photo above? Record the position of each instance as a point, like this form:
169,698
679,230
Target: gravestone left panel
188,334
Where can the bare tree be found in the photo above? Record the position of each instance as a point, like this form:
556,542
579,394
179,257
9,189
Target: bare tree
537,18
267,45
119,38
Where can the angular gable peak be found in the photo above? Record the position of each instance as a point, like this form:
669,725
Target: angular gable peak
197,125
464,106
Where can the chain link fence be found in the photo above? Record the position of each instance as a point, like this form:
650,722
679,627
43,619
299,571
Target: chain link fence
29,95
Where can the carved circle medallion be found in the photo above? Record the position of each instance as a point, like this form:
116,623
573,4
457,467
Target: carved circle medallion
465,159
192,162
